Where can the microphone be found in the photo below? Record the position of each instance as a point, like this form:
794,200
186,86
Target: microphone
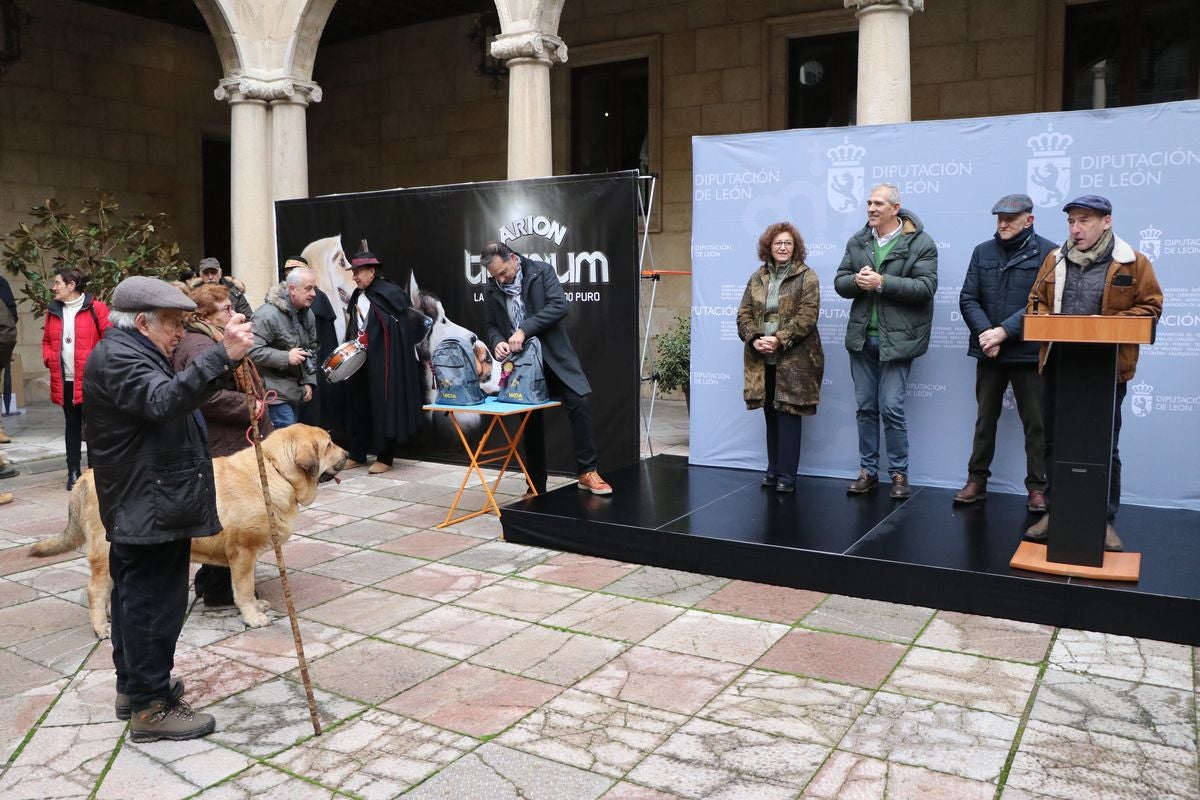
1062,253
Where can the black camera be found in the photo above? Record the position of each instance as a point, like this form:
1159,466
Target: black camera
309,364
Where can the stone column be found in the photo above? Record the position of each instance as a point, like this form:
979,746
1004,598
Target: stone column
884,73
289,141
529,56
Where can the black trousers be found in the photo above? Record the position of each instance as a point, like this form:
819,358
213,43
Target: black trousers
360,443
74,416
149,603
1050,376
991,379
579,412
783,435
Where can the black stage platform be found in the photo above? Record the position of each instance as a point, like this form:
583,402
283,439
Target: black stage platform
923,551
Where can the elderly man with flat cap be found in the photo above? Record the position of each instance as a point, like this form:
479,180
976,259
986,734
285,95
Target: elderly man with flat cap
154,482
992,301
1095,272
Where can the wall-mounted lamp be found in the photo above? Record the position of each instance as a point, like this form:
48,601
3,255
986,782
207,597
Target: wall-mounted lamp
483,33
13,19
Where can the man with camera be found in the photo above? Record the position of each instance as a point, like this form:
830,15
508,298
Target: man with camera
285,344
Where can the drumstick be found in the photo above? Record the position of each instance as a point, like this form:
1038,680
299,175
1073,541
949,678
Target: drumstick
246,382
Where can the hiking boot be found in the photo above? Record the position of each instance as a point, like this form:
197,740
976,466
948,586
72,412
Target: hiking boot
1040,530
972,492
592,482
124,710
378,468
1037,501
864,483
900,487
174,721
1112,542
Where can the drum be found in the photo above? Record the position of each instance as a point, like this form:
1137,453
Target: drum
343,362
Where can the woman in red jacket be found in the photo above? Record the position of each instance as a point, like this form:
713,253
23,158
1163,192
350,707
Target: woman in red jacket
75,321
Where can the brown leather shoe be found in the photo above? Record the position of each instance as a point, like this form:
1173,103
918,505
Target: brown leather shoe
900,487
1037,501
1040,530
1112,542
592,482
352,464
864,483
5,498
378,468
972,492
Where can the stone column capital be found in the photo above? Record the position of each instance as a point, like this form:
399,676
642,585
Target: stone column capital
531,44
905,6
247,89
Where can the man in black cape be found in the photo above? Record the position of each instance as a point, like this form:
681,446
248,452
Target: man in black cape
383,399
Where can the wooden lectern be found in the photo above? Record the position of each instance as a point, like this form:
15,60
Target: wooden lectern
1085,348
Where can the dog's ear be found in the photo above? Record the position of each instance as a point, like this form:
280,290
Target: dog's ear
308,458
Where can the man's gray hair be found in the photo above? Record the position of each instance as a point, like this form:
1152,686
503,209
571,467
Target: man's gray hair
127,320
890,190
297,275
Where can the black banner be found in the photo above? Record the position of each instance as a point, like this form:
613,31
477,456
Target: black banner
429,239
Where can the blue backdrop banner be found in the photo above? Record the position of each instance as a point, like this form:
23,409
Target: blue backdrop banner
1146,160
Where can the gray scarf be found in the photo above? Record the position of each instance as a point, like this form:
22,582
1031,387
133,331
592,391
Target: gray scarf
516,305
1097,252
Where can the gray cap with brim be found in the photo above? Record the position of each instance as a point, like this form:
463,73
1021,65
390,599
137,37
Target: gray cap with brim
140,293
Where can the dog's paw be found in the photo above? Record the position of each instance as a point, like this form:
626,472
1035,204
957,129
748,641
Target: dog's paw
255,618
104,631
262,605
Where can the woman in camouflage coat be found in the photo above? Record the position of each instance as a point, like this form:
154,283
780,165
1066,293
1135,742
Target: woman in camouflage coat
784,362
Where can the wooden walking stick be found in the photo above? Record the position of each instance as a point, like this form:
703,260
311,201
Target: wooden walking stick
250,383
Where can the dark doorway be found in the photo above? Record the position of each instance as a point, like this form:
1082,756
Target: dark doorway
215,160
822,80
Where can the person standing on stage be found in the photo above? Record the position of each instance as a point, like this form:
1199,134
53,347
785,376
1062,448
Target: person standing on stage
383,399
889,271
525,299
783,360
992,301
1095,272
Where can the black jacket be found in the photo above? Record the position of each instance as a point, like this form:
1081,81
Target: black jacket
146,441
545,315
995,292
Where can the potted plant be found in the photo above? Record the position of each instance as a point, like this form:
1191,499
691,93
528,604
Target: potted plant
673,364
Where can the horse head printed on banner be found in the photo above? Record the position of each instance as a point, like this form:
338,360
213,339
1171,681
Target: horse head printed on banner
327,259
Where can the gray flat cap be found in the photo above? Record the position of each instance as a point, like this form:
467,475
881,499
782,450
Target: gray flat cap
139,293
1013,204
209,263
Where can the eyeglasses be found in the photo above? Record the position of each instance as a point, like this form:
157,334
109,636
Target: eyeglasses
784,244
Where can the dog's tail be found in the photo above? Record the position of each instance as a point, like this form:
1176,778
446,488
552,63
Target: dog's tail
73,537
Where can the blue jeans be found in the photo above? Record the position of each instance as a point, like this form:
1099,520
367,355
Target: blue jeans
879,392
282,415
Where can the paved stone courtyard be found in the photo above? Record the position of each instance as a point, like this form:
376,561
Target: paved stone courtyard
451,664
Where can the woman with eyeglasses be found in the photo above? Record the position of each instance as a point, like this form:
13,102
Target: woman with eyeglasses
75,321
783,360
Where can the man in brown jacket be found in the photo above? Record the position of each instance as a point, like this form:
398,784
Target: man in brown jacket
1095,272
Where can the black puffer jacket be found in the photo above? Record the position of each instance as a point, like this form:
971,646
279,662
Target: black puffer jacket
995,292
146,442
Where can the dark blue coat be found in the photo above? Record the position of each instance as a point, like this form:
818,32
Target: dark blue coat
995,292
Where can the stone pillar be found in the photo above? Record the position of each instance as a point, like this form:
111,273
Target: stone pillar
289,141
529,56
884,72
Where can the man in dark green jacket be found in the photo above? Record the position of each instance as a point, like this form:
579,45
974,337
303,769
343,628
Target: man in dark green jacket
889,271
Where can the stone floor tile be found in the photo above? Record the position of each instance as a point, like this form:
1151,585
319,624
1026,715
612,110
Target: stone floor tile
847,776
584,572
1148,713
614,617
631,791
38,618
62,651
939,736
362,533
440,582
833,656
666,585
452,631
61,762
762,601
56,578
472,700
717,636
874,618
788,705
1123,657
362,506
272,648
205,625
168,770
19,674
503,557
13,593
376,756
302,553
368,611
499,773
550,655
21,708
262,782
86,701
208,677
366,567
1063,762
661,679
372,671
599,734
527,600
274,716
987,636
429,544
311,520
486,526
308,590
706,759
418,515
987,684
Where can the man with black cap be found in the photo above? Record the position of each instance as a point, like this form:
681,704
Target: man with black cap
1095,272
992,301
383,399
154,484
210,272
